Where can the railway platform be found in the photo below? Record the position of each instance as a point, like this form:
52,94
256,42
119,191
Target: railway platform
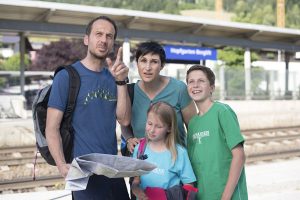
274,180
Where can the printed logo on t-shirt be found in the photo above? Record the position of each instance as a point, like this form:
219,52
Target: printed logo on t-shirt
198,136
100,94
159,171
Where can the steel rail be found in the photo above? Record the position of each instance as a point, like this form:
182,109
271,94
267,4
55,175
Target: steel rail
249,132
273,156
251,141
27,183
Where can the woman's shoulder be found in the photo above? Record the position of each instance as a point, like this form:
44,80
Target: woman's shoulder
176,81
177,84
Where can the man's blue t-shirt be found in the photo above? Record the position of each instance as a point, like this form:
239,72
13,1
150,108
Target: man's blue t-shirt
94,119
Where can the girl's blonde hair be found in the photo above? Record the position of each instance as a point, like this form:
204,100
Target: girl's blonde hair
167,115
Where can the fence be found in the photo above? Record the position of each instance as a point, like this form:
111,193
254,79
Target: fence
265,84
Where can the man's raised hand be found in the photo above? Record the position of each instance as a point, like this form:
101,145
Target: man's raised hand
118,69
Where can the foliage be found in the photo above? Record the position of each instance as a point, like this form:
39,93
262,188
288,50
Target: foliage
234,57
293,16
249,11
201,5
264,12
13,63
254,12
58,53
234,71
169,6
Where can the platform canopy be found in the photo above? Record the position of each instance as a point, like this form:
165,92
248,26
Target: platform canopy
48,18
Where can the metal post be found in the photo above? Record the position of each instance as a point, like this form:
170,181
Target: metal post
271,85
22,62
247,66
222,82
286,60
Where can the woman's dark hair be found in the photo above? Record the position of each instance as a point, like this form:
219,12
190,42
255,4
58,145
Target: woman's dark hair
89,27
153,48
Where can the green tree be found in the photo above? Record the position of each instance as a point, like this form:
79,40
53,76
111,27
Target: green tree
233,59
13,63
264,12
234,56
256,12
293,16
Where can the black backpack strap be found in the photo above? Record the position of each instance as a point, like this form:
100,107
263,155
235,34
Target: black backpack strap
130,89
74,85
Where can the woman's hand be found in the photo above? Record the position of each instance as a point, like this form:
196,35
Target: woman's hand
131,142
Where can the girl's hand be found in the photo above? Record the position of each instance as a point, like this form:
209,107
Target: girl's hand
136,190
142,196
131,142
139,193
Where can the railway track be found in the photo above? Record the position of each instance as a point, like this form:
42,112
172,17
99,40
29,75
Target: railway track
29,183
271,130
19,156
272,156
14,156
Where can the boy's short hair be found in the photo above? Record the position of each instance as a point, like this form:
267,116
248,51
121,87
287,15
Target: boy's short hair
206,70
89,27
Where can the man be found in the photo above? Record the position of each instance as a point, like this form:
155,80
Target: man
101,100
215,142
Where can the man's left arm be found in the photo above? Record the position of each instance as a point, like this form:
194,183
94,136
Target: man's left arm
120,72
123,111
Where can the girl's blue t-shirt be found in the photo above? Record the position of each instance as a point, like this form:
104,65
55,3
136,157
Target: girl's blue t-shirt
167,173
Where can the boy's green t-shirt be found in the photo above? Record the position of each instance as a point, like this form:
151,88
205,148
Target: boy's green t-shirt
210,140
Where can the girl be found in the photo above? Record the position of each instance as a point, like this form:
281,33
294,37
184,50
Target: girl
163,150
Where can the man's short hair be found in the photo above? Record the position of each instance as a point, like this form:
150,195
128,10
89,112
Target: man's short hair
89,27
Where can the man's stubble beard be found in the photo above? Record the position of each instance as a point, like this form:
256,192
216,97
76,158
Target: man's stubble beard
100,57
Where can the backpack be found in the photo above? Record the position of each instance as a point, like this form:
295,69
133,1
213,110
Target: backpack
39,114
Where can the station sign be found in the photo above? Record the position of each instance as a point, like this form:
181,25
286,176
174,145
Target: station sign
188,54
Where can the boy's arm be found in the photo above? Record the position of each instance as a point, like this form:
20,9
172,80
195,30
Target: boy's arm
188,112
236,167
54,118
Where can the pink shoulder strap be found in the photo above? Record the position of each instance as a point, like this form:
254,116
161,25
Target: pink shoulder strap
142,146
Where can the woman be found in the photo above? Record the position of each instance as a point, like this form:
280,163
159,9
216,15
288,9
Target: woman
153,87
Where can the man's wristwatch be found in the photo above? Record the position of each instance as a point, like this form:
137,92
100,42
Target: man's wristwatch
123,82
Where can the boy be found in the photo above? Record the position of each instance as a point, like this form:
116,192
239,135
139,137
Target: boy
215,143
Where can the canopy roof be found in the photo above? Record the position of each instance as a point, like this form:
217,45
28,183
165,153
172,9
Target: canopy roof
36,17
